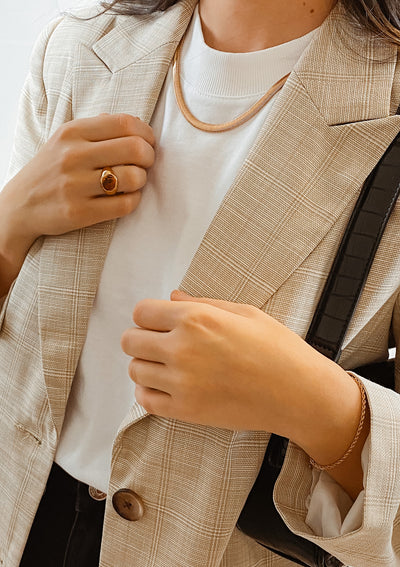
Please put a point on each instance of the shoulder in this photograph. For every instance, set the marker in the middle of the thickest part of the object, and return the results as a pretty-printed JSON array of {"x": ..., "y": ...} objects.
[
  {"x": 60, "y": 41},
  {"x": 80, "y": 26},
  {"x": 57, "y": 48}
]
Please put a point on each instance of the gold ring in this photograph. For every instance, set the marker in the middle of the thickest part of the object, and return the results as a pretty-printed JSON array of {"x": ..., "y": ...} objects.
[{"x": 108, "y": 181}]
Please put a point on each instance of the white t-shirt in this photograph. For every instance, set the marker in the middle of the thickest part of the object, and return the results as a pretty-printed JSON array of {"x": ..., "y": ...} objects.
[{"x": 152, "y": 248}]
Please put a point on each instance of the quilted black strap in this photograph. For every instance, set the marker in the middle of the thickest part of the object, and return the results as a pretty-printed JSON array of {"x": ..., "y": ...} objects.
[
  {"x": 355, "y": 255},
  {"x": 351, "y": 266}
]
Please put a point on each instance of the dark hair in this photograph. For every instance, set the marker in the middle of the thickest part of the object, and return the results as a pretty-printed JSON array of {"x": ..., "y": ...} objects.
[
  {"x": 381, "y": 17},
  {"x": 137, "y": 7}
]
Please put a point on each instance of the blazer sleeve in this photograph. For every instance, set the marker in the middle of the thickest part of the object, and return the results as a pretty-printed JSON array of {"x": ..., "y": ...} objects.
[
  {"x": 37, "y": 103},
  {"x": 331, "y": 511},
  {"x": 377, "y": 541},
  {"x": 37, "y": 106}
]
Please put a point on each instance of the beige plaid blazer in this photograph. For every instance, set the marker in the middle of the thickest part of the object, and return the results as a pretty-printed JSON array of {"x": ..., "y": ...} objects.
[{"x": 270, "y": 244}]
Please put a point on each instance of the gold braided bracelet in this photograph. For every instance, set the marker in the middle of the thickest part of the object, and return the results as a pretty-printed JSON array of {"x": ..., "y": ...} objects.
[{"x": 356, "y": 437}]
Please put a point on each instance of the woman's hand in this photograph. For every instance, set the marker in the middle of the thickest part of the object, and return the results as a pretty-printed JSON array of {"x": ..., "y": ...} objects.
[
  {"x": 59, "y": 189},
  {"x": 230, "y": 365}
]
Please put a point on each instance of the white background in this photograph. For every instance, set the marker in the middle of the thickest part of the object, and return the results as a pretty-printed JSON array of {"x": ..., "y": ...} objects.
[{"x": 22, "y": 23}]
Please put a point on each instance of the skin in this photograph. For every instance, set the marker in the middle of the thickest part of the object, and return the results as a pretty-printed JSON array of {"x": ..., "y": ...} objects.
[
  {"x": 193, "y": 359},
  {"x": 237, "y": 26}
]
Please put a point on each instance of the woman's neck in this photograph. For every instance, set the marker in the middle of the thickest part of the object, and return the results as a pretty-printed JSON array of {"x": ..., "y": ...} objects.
[{"x": 240, "y": 26}]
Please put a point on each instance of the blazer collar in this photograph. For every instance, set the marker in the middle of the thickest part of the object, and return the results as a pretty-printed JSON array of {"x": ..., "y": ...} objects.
[
  {"x": 134, "y": 39},
  {"x": 347, "y": 73}
]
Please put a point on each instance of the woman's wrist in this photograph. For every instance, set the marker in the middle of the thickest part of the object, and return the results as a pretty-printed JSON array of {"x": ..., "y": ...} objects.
[
  {"x": 15, "y": 240},
  {"x": 16, "y": 233},
  {"x": 364, "y": 410},
  {"x": 330, "y": 409},
  {"x": 332, "y": 414}
]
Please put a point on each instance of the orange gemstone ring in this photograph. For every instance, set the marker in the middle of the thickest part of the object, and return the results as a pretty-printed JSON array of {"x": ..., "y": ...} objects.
[{"x": 108, "y": 181}]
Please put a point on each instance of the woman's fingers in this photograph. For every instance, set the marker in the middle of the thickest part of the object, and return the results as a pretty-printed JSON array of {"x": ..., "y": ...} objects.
[
  {"x": 86, "y": 185},
  {"x": 117, "y": 206},
  {"x": 161, "y": 315},
  {"x": 107, "y": 127},
  {"x": 131, "y": 150},
  {"x": 146, "y": 345},
  {"x": 154, "y": 401},
  {"x": 150, "y": 375},
  {"x": 96, "y": 211}
]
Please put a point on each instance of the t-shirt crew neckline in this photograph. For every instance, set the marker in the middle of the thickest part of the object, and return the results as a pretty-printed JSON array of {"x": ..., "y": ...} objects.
[{"x": 223, "y": 74}]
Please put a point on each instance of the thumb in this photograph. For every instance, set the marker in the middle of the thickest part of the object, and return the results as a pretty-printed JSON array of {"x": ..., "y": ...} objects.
[{"x": 238, "y": 308}]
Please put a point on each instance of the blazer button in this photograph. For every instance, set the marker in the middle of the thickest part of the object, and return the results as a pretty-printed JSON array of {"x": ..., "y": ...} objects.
[{"x": 128, "y": 504}]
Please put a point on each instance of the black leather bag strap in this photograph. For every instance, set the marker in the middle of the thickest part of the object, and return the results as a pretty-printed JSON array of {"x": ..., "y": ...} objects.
[
  {"x": 355, "y": 255},
  {"x": 259, "y": 518}
]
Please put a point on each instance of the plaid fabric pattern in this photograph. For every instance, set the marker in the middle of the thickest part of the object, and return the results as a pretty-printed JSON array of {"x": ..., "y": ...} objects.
[{"x": 270, "y": 244}]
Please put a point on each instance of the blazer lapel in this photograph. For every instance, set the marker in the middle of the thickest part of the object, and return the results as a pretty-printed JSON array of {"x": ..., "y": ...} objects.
[
  {"x": 124, "y": 72},
  {"x": 327, "y": 130}
]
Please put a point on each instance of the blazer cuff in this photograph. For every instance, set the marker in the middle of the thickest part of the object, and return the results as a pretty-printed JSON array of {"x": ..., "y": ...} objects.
[
  {"x": 374, "y": 541},
  {"x": 331, "y": 511}
]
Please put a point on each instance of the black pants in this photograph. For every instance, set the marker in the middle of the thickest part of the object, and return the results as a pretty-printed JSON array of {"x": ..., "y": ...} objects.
[{"x": 68, "y": 526}]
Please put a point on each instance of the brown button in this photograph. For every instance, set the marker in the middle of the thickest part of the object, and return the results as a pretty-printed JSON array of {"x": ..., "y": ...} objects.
[
  {"x": 97, "y": 494},
  {"x": 128, "y": 504}
]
